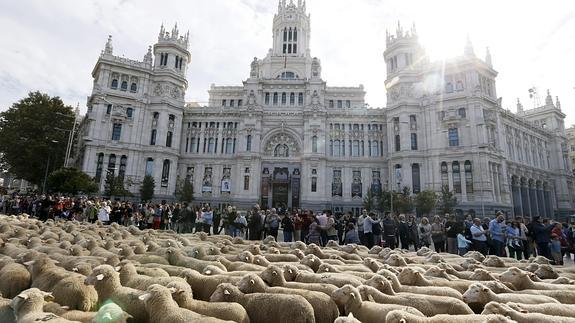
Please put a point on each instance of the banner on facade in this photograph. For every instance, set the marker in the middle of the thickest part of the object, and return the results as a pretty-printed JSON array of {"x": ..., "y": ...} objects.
[{"x": 226, "y": 185}]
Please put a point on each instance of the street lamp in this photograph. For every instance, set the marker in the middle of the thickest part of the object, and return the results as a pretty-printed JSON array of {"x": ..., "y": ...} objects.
[
  {"x": 481, "y": 176},
  {"x": 393, "y": 166}
]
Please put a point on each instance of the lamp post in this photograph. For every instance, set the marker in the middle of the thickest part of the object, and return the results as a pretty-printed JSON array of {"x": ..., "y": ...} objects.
[
  {"x": 71, "y": 134},
  {"x": 393, "y": 166}
]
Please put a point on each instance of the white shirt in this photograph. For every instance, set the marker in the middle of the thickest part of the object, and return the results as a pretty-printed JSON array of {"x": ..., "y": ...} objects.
[{"x": 104, "y": 214}]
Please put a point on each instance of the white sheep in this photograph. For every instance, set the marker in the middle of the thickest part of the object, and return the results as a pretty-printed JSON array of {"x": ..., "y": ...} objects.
[
  {"x": 347, "y": 319},
  {"x": 546, "y": 308},
  {"x": 14, "y": 278},
  {"x": 367, "y": 312},
  {"x": 401, "y": 316},
  {"x": 426, "y": 290},
  {"x": 129, "y": 277},
  {"x": 503, "y": 309},
  {"x": 203, "y": 286},
  {"x": 481, "y": 294},
  {"x": 273, "y": 275},
  {"x": 292, "y": 273},
  {"x": 264, "y": 308},
  {"x": 28, "y": 307}
]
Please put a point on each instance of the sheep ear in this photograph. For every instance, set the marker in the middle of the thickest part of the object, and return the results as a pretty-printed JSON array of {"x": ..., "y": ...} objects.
[
  {"x": 22, "y": 296},
  {"x": 275, "y": 273},
  {"x": 371, "y": 299},
  {"x": 48, "y": 297},
  {"x": 290, "y": 271},
  {"x": 252, "y": 281},
  {"x": 402, "y": 321},
  {"x": 29, "y": 263},
  {"x": 144, "y": 297},
  {"x": 173, "y": 290},
  {"x": 485, "y": 289},
  {"x": 352, "y": 295},
  {"x": 117, "y": 268},
  {"x": 100, "y": 277},
  {"x": 67, "y": 308},
  {"x": 326, "y": 269},
  {"x": 226, "y": 292},
  {"x": 350, "y": 315},
  {"x": 208, "y": 272},
  {"x": 75, "y": 269}
]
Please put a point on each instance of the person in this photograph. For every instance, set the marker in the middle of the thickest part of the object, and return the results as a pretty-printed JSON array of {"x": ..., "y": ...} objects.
[
  {"x": 438, "y": 234},
  {"x": 403, "y": 231},
  {"x": 314, "y": 234},
  {"x": 255, "y": 223},
  {"x": 368, "y": 223},
  {"x": 479, "y": 237},
  {"x": 322, "y": 219},
  {"x": 217, "y": 220},
  {"x": 330, "y": 228},
  {"x": 497, "y": 230},
  {"x": 462, "y": 242},
  {"x": 239, "y": 225},
  {"x": 288, "y": 227},
  {"x": 307, "y": 218},
  {"x": 571, "y": 241},
  {"x": 360, "y": 220},
  {"x": 524, "y": 236},
  {"x": 350, "y": 234},
  {"x": 514, "y": 242},
  {"x": 389, "y": 227},
  {"x": 297, "y": 223},
  {"x": 556, "y": 239},
  {"x": 468, "y": 223},
  {"x": 413, "y": 232},
  {"x": 187, "y": 219},
  {"x": 424, "y": 232},
  {"x": 542, "y": 236},
  {"x": 273, "y": 222},
  {"x": 452, "y": 229},
  {"x": 208, "y": 217},
  {"x": 104, "y": 213}
]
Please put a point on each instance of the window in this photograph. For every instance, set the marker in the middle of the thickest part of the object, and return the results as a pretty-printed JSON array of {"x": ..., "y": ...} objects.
[
  {"x": 163, "y": 59},
  {"x": 461, "y": 112},
  {"x": 413, "y": 122},
  {"x": 224, "y": 103},
  {"x": 314, "y": 184},
  {"x": 267, "y": 98},
  {"x": 114, "y": 84},
  {"x": 134, "y": 88},
  {"x": 99, "y": 164},
  {"x": 284, "y": 98},
  {"x": 108, "y": 109},
  {"x": 453, "y": 137},
  {"x": 211, "y": 145},
  {"x": 169, "y": 139},
  {"x": 397, "y": 143},
  {"x": 456, "y": 177},
  {"x": 249, "y": 143},
  {"x": 116, "y": 131},
  {"x": 415, "y": 178},
  {"x": 300, "y": 99},
  {"x": 124, "y": 86},
  {"x": 292, "y": 98},
  {"x": 288, "y": 75},
  {"x": 459, "y": 86},
  {"x": 444, "y": 176},
  {"x": 331, "y": 104},
  {"x": 314, "y": 144},
  {"x": 129, "y": 112},
  {"x": 348, "y": 104},
  {"x": 374, "y": 148},
  {"x": 149, "y": 167},
  {"x": 413, "y": 141},
  {"x": 194, "y": 145},
  {"x": 449, "y": 87},
  {"x": 153, "y": 137},
  {"x": 339, "y": 104},
  {"x": 246, "y": 183},
  {"x": 229, "y": 147},
  {"x": 165, "y": 173},
  {"x": 123, "y": 163},
  {"x": 240, "y": 102},
  {"x": 275, "y": 99},
  {"x": 156, "y": 115},
  {"x": 355, "y": 148},
  {"x": 112, "y": 162},
  {"x": 468, "y": 177},
  {"x": 172, "y": 118}
]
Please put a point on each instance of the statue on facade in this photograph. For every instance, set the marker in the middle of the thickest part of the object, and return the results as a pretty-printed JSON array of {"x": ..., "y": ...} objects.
[
  {"x": 254, "y": 68},
  {"x": 251, "y": 98}
]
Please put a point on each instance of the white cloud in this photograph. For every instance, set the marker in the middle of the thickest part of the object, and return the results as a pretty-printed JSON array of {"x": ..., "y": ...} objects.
[{"x": 52, "y": 46}]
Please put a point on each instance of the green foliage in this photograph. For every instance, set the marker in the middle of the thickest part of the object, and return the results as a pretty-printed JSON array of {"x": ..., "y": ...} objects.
[
  {"x": 447, "y": 200},
  {"x": 369, "y": 201},
  {"x": 114, "y": 186},
  {"x": 426, "y": 201},
  {"x": 29, "y": 135},
  {"x": 185, "y": 191},
  {"x": 403, "y": 202},
  {"x": 147, "y": 188},
  {"x": 71, "y": 181}
]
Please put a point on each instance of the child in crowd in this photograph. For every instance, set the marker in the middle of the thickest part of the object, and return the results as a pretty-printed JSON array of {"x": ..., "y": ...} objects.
[{"x": 462, "y": 242}]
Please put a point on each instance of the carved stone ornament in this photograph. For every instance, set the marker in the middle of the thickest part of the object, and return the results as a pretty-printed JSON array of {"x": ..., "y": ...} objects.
[{"x": 281, "y": 145}]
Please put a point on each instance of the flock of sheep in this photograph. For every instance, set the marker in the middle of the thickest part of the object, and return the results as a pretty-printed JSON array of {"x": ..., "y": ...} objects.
[{"x": 78, "y": 272}]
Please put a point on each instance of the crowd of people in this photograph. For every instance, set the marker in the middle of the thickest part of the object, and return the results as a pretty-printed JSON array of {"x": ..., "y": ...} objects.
[{"x": 518, "y": 238}]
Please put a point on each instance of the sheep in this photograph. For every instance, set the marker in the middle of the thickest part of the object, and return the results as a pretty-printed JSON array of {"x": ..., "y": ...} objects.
[
  {"x": 128, "y": 253},
  {"x": 28, "y": 307},
  {"x": 327, "y": 268},
  {"x": 106, "y": 281},
  {"x": 129, "y": 277},
  {"x": 273, "y": 275},
  {"x": 428, "y": 305},
  {"x": 347, "y": 319},
  {"x": 182, "y": 294},
  {"x": 65, "y": 312},
  {"x": 205, "y": 285},
  {"x": 366, "y": 312},
  {"x": 480, "y": 294},
  {"x": 14, "y": 278},
  {"x": 239, "y": 266},
  {"x": 152, "y": 272},
  {"x": 427, "y": 290},
  {"x": 546, "y": 272},
  {"x": 521, "y": 280},
  {"x": 177, "y": 258},
  {"x": 546, "y": 308},
  {"x": 292, "y": 273},
  {"x": 325, "y": 310},
  {"x": 400, "y": 316},
  {"x": 163, "y": 309},
  {"x": 263, "y": 308},
  {"x": 503, "y": 309},
  {"x": 6, "y": 312}
]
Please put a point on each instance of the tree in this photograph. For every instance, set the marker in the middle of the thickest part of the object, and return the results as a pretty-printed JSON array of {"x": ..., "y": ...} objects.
[
  {"x": 403, "y": 202},
  {"x": 425, "y": 201},
  {"x": 71, "y": 181},
  {"x": 185, "y": 191},
  {"x": 447, "y": 200},
  {"x": 369, "y": 201},
  {"x": 33, "y": 136},
  {"x": 114, "y": 186},
  {"x": 147, "y": 188},
  {"x": 384, "y": 202}
]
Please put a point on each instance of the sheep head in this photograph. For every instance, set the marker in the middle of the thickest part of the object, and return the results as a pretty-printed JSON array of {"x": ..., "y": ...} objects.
[
  {"x": 477, "y": 293},
  {"x": 225, "y": 292},
  {"x": 273, "y": 275},
  {"x": 251, "y": 283},
  {"x": 345, "y": 295}
]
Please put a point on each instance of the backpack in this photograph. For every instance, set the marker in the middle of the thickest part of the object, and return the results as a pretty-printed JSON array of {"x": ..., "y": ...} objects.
[{"x": 376, "y": 229}]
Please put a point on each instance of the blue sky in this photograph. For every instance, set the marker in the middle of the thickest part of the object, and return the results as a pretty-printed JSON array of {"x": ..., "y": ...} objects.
[{"x": 52, "y": 46}]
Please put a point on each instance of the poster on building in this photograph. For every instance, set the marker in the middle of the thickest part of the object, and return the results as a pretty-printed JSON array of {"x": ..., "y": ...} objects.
[{"x": 226, "y": 185}]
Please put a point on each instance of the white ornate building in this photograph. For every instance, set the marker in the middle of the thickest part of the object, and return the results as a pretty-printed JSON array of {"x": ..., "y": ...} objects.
[{"x": 285, "y": 138}]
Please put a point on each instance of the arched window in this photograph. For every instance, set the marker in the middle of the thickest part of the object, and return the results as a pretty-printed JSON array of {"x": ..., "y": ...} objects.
[
  {"x": 300, "y": 99},
  {"x": 444, "y": 176},
  {"x": 123, "y": 163},
  {"x": 229, "y": 147},
  {"x": 275, "y": 99},
  {"x": 112, "y": 162},
  {"x": 284, "y": 98},
  {"x": 374, "y": 148},
  {"x": 156, "y": 115},
  {"x": 267, "y": 98},
  {"x": 249, "y": 143},
  {"x": 461, "y": 112},
  {"x": 211, "y": 145},
  {"x": 99, "y": 166},
  {"x": 398, "y": 177},
  {"x": 165, "y": 173},
  {"x": 355, "y": 148},
  {"x": 124, "y": 86},
  {"x": 415, "y": 178},
  {"x": 314, "y": 144},
  {"x": 153, "y": 137},
  {"x": 281, "y": 150},
  {"x": 456, "y": 177},
  {"x": 397, "y": 143},
  {"x": 133, "y": 88},
  {"x": 114, "y": 84},
  {"x": 149, "y": 167},
  {"x": 169, "y": 136},
  {"x": 468, "y": 176},
  {"x": 292, "y": 98}
]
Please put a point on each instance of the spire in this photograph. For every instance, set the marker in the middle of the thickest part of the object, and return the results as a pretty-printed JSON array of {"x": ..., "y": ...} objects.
[
  {"x": 548, "y": 99},
  {"x": 413, "y": 30},
  {"x": 109, "y": 49},
  {"x": 557, "y": 103},
  {"x": 77, "y": 110},
  {"x": 468, "y": 50},
  {"x": 175, "y": 31},
  {"x": 519, "y": 106},
  {"x": 399, "y": 30},
  {"x": 162, "y": 32},
  {"x": 488, "y": 57},
  {"x": 148, "y": 57}
]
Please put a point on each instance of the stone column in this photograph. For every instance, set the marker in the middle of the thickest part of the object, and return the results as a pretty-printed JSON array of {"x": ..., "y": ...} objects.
[
  {"x": 463, "y": 181},
  {"x": 532, "y": 198},
  {"x": 525, "y": 208},
  {"x": 540, "y": 201}
]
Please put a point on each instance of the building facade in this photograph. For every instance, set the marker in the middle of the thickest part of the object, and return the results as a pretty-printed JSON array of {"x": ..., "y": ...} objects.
[{"x": 284, "y": 138}]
